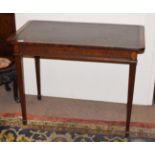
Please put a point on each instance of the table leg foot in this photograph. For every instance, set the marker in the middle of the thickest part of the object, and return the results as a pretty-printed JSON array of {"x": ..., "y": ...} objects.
[
  {"x": 39, "y": 98},
  {"x": 127, "y": 134},
  {"x": 24, "y": 122}
]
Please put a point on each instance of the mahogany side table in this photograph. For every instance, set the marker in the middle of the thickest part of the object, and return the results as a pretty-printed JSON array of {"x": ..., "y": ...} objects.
[{"x": 110, "y": 43}]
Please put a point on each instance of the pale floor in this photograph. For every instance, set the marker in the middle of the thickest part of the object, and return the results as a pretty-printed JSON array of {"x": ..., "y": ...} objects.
[{"x": 71, "y": 108}]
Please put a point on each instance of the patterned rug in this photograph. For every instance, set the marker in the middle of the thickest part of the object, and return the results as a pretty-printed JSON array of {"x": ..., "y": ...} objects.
[{"x": 45, "y": 129}]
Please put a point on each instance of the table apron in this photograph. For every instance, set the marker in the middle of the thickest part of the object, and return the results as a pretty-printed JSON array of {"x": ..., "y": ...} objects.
[{"x": 78, "y": 53}]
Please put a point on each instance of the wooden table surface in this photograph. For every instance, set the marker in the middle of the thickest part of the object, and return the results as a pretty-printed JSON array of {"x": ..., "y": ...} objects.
[{"x": 128, "y": 37}]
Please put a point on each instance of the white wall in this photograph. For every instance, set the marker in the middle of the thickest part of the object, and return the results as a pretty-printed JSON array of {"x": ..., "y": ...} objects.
[{"x": 94, "y": 81}]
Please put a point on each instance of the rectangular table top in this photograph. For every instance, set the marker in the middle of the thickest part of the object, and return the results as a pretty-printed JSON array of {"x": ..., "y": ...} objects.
[{"x": 115, "y": 36}]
